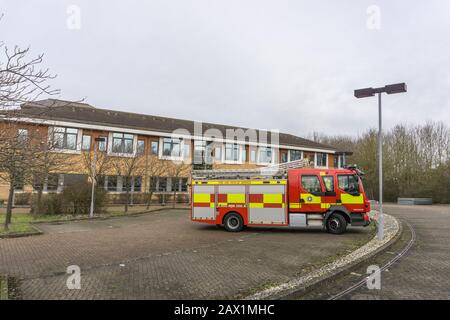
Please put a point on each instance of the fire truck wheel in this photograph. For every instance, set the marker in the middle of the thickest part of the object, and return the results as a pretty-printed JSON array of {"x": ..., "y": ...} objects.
[
  {"x": 233, "y": 222},
  {"x": 336, "y": 224}
]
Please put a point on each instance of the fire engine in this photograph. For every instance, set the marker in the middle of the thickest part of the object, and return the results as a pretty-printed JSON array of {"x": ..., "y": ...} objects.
[{"x": 289, "y": 195}]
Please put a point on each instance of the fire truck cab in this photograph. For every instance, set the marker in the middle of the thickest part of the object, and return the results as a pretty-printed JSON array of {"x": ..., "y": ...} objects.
[{"x": 303, "y": 197}]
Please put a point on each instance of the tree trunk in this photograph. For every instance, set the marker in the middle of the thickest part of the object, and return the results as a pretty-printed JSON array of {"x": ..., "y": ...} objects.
[
  {"x": 174, "y": 200},
  {"x": 149, "y": 199},
  {"x": 127, "y": 198},
  {"x": 37, "y": 210},
  {"x": 9, "y": 206}
]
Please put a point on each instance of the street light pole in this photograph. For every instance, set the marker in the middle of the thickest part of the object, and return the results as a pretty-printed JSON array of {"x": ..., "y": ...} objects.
[
  {"x": 380, "y": 231},
  {"x": 93, "y": 177},
  {"x": 370, "y": 92}
]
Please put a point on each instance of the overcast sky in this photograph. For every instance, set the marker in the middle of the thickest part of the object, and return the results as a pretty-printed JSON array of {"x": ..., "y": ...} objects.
[{"x": 287, "y": 65}]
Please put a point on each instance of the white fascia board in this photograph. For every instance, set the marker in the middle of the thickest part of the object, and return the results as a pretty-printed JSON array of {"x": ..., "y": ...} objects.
[{"x": 159, "y": 133}]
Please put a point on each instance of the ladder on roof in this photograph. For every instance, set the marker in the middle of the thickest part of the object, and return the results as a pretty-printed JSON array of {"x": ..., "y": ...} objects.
[{"x": 273, "y": 171}]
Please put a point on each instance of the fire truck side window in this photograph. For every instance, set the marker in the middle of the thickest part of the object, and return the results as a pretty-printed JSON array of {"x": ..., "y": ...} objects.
[
  {"x": 329, "y": 183},
  {"x": 311, "y": 184},
  {"x": 348, "y": 183}
]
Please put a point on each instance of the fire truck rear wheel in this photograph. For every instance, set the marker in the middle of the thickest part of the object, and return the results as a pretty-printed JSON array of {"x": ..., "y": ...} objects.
[
  {"x": 233, "y": 222},
  {"x": 336, "y": 224}
]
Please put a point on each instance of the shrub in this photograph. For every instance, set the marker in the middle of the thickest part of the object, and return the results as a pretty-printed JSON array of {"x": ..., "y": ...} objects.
[
  {"x": 74, "y": 200},
  {"x": 51, "y": 204},
  {"x": 77, "y": 199}
]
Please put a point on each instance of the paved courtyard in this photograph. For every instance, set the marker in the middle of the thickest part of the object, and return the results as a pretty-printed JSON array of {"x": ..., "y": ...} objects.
[
  {"x": 422, "y": 273},
  {"x": 163, "y": 255}
]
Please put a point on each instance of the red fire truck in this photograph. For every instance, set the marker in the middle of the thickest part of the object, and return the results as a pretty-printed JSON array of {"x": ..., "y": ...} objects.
[{"x": 290, "y": 195}]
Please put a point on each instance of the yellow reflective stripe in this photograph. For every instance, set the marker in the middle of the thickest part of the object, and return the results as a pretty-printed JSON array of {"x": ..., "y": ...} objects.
[
  {"x": 255, "y": 205},
  {"x": 211, "y": 205},
  {"x": 349, "y": 199},
  {"x": 222, "y": 204},
  {"x": 236, "y": 198},
  {"x": 322, "y": 173},
  {"x": 325, "y": 205},
  {"x": 295, "y": 205},
  {"x": 202, "y": 197},
  {"x": 310, "y": 199},
  {"x": 241, "y": 182},
  {"x": 273, "y": 198}
]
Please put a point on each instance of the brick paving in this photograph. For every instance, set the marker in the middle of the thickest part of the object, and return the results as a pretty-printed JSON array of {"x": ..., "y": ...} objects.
[
  {"x": 423, "y": 273},
  {"x": 164, "y": 256}
]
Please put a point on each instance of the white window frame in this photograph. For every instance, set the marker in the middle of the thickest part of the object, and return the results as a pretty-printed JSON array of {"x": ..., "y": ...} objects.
[
  {"x": 110, "y": 143},
  {"x": 77, "y": 150},
  {"x": 239, "y": 161},
  {"x": 173, "y": 158},
  {"x": 258, "y": 154},
  {"x": 326, "y": 160}
]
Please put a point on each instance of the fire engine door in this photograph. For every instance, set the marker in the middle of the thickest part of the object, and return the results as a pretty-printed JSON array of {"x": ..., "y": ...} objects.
[
  {"x": 311, "y": 193},
  {"x": 349, "y": 191}
]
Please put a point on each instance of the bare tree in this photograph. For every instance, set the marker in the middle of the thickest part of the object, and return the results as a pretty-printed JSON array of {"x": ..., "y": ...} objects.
[
  {"x": 127, "y": 168},
  {"x": 177, "y": 170},
  {"x": 15, "y": 156},
  {"x": 154, "y": 169},
  {"x": 45, "y": 160}
]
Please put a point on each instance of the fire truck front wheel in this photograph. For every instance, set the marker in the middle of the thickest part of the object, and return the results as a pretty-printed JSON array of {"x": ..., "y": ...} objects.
[
  {"x": 233, "y": 222},
  {"x": 336, "y": 224}
]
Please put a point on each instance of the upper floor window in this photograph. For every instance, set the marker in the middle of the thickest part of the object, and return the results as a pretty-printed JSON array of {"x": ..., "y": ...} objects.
[
  {"x": 232, "y": 152},
  {"x": 140, "y": 147},
  {"x": 65, "y": 138},
  {"x": 86, "y": 143},
  {"x": 154, "y": 147},
  {"x": 22, "y": 135},
  {"x": 295, "y": 155},
  {"x": 284, "y": 157},
  {"x": 265, "y": 155},
  {"x": 321, "y": 159},
  {"x": 122, "y": 143},
  {"x": 102, "y": 144},
  {"x": 171, "y": 147}
]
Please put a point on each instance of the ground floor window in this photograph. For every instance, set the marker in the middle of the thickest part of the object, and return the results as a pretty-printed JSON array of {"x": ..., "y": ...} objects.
[{"x": 169, "y": 184}]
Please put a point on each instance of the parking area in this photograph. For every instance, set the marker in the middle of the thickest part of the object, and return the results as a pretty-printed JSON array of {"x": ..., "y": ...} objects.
[{"x": 163, "y": 255}]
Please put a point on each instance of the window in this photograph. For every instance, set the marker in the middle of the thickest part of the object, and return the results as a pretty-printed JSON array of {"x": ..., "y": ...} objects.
[
  {"x": 175, "y": 184},
  {"x": 153, "y": 183},
  {"x": 140, "y": 147},
  {"x": 321, "y": 159},
  {"x": 102, "y": 144},
  {"x": 122, "y": 143},
  {"x": 232, "y": 152},
  {"x": 295, "y": 155},
  {"x": 284, "y": 157},
  {"x": 111, "y": 183},
  {"x": 218, "y": 153},
  {"x": 252, "y": 155},
  {"x": 328, "y": 181},
  {"x": 162, "y": 184},
  {"x": 137, "y": 184},
  {"x": 199, "y": 151},
  {"x": 265, "y": 155},
  {"x": 311, "y": 184},
  {"x": 19, "y": 182},
  {"x": 86, "y": 143},
  {"x": 101, "y": 181},
  {"x": 244, "y": 155},
  {"x": 154, "y": 147},
  {"x": 22, "y": 135},
  {"x": 336, "y": 162},
  {"x": 348, "y": 183},
  {"x": 172, "y": 147},
  {"x": 184, "y": 186},
  {"x": 65, "y": 138},
  {"x": 187, "y": 151},
  {"x": 52, "y": 182}
]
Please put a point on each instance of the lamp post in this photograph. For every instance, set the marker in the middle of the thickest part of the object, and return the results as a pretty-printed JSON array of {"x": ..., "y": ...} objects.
[
  {"x": 370, "y": 92},
  {"x": 94, "y": 165}
]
